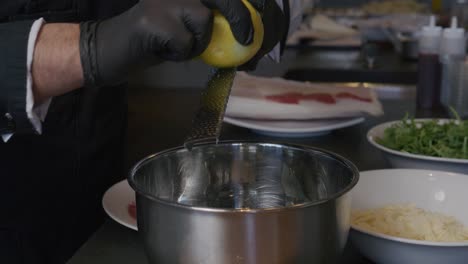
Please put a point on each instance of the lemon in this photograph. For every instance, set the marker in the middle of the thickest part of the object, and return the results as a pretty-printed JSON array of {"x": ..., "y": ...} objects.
[{"x": 224, "y": 51}]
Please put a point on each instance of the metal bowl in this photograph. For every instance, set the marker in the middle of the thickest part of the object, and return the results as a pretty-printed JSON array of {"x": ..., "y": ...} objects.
[{"x": 243, "y": 202}]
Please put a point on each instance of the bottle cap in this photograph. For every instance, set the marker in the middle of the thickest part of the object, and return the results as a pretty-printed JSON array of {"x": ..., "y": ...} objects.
[
  {"x": 453, "y": 40},
  {"x": 429, "y": 39},
  {"x": 454, "y": 31},
  {"x": 431, "y": 29}
]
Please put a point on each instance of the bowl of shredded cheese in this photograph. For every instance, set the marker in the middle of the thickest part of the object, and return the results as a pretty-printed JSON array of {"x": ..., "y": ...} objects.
[{"x": 411, "y": 216}]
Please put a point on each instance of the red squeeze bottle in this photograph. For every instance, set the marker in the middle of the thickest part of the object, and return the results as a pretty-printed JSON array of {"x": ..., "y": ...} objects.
[{"x": 429, "y": 67}]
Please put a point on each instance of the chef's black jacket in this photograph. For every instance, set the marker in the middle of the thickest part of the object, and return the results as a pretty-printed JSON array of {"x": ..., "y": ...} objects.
[{"x": 51, "y": 185}]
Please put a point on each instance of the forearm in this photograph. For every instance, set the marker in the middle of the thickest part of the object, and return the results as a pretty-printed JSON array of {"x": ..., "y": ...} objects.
[{"x": 56, "y": 67}]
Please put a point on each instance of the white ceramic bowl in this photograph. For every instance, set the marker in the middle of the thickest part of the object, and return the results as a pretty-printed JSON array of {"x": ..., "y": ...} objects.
[
  {"x": 442, "y": 192},
  {"x": 399, "y": 159}
]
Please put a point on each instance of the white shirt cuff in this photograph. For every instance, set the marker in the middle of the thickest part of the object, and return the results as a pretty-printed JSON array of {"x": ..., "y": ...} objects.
[{"x": 36, "y": 113}]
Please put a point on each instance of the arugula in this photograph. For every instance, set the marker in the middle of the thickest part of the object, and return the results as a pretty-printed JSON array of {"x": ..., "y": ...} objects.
[{"x": 431, "y": 138}]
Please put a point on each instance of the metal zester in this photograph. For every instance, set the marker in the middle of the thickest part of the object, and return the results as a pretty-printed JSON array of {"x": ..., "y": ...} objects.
[{"x": 208, "y": 120}]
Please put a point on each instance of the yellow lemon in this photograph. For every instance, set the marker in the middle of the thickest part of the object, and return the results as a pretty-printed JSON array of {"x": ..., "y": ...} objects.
[{"x": 223, "y": 50}]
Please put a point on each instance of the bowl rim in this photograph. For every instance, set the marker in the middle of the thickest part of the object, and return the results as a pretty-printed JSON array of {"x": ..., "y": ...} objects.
[
  {"x": 371, "y": 134},
  {"x": 408, "y": 240},
  {"x": 336, "y": 195}
]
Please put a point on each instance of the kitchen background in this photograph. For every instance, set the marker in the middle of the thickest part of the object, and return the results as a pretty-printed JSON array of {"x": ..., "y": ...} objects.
[{"x": 193, "y": 74}]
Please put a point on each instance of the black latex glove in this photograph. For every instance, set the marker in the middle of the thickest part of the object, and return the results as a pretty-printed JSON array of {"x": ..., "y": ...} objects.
[
  {"x": 154, "y": 30},
  {"x": 275, "y": 24}
]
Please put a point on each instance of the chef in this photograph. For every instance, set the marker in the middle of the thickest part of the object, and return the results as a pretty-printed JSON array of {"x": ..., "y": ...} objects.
[{"x": 63, "y": 66}]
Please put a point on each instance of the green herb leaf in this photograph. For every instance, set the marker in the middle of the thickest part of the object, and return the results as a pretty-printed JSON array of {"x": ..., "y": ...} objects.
[{"x": 431, "y": 138}]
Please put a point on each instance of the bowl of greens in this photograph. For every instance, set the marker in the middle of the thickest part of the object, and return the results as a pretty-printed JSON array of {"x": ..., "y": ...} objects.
[{"x": 437, "y": 144}]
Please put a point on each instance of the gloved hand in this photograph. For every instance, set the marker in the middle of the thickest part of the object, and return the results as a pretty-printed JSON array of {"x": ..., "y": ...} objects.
[
  {"x": 152, "y": 31},
  {"x": 275, "y": 23}
]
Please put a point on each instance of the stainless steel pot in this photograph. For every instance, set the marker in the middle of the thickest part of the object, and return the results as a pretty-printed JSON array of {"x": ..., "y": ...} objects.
[{"x": 243, "y": 202}]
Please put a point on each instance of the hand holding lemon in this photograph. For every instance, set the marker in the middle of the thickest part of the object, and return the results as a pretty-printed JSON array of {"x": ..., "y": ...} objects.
[
  {"x": 270, "y": 28},
  {"x": 224, "y": 50},
  {"x": 226, "y": 33}
]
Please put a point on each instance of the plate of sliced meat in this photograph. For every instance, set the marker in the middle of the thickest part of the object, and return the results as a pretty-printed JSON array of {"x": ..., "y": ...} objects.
[
  {"x": 119, "y": 204},
  {"x": 280, "y": 107}
]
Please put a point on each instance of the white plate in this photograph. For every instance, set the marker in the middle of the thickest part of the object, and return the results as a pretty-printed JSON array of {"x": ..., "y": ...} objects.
[
  {"x": 116, "y": 202},
  {"x": 307, "y": 128}
]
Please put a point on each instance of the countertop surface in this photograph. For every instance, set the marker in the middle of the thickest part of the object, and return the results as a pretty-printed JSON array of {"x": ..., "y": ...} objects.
[
  {"x": 160, "y": 119},
  {"x": 351, "y": 66}
]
